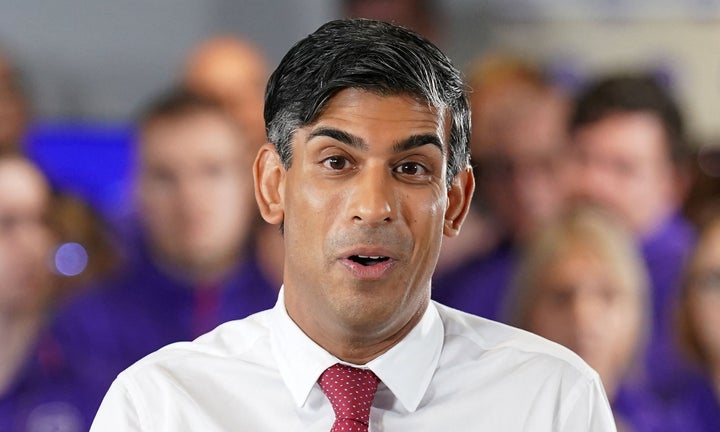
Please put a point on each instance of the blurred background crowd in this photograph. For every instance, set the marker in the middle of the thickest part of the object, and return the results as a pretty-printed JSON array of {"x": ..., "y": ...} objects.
[{"x": 127, "y": 218}]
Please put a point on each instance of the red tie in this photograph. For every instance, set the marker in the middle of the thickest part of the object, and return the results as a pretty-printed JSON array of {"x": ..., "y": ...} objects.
[{"x": 351, "y": 392}]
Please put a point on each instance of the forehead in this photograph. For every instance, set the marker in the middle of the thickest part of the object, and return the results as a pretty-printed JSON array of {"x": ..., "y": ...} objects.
[
  {"x": 367, "y": 112},
  {"x": 202, "y": 133},
  {"x": 21, "y": 184},
  {"x": 633, "y": 134},
  {"x": 225, "y": 61}
]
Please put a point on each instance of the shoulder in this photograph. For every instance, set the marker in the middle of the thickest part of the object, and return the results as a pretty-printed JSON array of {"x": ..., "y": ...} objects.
[
  {"x": 674, "y": 237},
  {"x": 241, "y": 342},
  {"x": 489, "y": 339},
  {"x": 520, "y": 377},
  {"x": 160, "y": 388}
]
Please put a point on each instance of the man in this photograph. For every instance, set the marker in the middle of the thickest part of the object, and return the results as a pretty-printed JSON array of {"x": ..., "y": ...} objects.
[
  {"x": 189, "y": 269},
  {"x": 519, "y": 136},
  {"x": 367, "y": 169},
  {"x": 628, "y": 155},
  {"x": 234, "y": 72}
]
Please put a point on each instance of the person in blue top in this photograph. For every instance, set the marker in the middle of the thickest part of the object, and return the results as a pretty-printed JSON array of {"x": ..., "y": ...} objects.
[{"x": 190, "y": 265}]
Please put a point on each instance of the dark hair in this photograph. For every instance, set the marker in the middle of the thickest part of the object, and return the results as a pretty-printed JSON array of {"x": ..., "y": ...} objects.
[
  {"x": 630, "y": 94},
  {"x": 369, "y": 55},
  {"x": 174, "y": 103}
]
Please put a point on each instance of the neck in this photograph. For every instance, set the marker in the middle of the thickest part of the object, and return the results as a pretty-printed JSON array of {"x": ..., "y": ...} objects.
[
  {"x": 199, "y": 272},
  {"x": 360, "y": 346},
  {"x": 610, "y": 384},
  {"x": 361, "y": 352},
  {"x": 715, "y": 378},
  {"x": 18, "y": 332}
]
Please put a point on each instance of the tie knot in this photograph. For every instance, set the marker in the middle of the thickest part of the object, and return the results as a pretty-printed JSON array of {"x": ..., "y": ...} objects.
[{"x": 351, "y": 392}]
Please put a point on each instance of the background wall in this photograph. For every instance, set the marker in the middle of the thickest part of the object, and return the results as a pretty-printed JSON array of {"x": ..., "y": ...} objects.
[
  {"x": 102, "y": 59},
  {"x": 679, "y": 40}
]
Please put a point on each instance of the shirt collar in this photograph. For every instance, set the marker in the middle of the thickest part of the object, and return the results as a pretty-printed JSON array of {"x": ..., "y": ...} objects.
[{"x": 406, "y": 369}]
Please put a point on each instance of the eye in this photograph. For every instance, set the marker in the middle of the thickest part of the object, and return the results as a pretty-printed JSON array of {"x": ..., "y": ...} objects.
[
  {"x": 160, "y": 177},
  {"x": 336, "y": 163},
  {"x": 411, "y": 169}
]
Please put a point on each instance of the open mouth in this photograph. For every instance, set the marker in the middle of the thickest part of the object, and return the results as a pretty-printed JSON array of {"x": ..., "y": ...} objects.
[{"x": 366, "y": 260}]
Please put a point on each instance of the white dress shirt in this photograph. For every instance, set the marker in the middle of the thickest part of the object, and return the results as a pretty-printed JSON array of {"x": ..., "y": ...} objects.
[{"x": 452, "y": 372}]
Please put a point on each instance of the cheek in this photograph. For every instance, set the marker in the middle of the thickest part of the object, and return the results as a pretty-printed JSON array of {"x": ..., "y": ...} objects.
[
  {"x": 550, "y": 322},
  {"x": 707, "y": 322},
  {"x": 160, "y": 214},
  {"x": 311, "y": 200},
  {"x": 623, "y": 327},
  {"x": 234, "y": 197},
  {"x": 425, "y": 218},
  {"x": 626, "y": 314},
  {"x": 310, "y": 211},
  {"x": 155, "y": 203}
]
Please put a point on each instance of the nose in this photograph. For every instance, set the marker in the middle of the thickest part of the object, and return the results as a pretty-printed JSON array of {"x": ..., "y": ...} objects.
[
  {"x": 586, "y": 315},
  {"x": 191, "y": 197},
  {"x": 589, "y": 181},
  {"x": 372, "y": 199}
]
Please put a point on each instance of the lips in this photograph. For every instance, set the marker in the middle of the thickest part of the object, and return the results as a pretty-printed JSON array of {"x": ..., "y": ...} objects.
[
  {"x": 369, "y": 265},
  {"x": 366, "y": 260}
]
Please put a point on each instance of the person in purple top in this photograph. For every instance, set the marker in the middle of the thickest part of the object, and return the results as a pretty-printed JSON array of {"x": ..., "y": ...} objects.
[
  {"x": 699, "y": 325},
  {"x": 190, "y": 267},
  {"x": 582, "y": 283},
  {"x": 517, "y": 144},
  {"x": 35, "y": 393},
  {"x": 628, "y": 154}
]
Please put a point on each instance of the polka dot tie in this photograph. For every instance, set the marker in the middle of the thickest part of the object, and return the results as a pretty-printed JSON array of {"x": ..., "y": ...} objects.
[{"x": 351, "y": 392}]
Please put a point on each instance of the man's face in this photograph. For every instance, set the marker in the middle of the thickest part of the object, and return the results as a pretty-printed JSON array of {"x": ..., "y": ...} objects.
[
  {"x": 582, "y": 304},
  {"x": 195, "y": 191},
  {"x": 25, "y": 239},
  {"x": 621, "y": 162},
  {"x": 365, "y": 205},
  {"x": 521, "y": 165}
]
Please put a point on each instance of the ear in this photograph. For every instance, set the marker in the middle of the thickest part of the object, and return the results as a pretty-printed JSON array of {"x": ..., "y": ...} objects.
[
  {"x": 459, "y": 196},
  {"x": 269, "y": 175}
]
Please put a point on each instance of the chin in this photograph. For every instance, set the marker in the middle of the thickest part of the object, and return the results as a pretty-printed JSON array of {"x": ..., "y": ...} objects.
[{"x": 370, "y": 318}]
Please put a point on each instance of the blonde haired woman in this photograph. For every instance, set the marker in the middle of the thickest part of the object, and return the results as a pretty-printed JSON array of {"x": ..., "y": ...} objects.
[{"x": 582, "y": 283}]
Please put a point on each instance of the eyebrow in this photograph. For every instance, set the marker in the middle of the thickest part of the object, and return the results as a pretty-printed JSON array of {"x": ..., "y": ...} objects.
[
  {"x": 416, "y": 141},
  {"x": 338, "y": 135},
  {"x": 354, "y": 141}
]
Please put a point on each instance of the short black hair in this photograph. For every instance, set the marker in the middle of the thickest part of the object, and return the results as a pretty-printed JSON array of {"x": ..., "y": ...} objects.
[
  {"x": 632, "y": 93},
  {"x": 370, "y": 55}
]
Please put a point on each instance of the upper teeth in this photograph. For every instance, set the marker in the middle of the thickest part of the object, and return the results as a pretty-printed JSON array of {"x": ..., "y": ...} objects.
[{"x": 369, "y": 257}]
